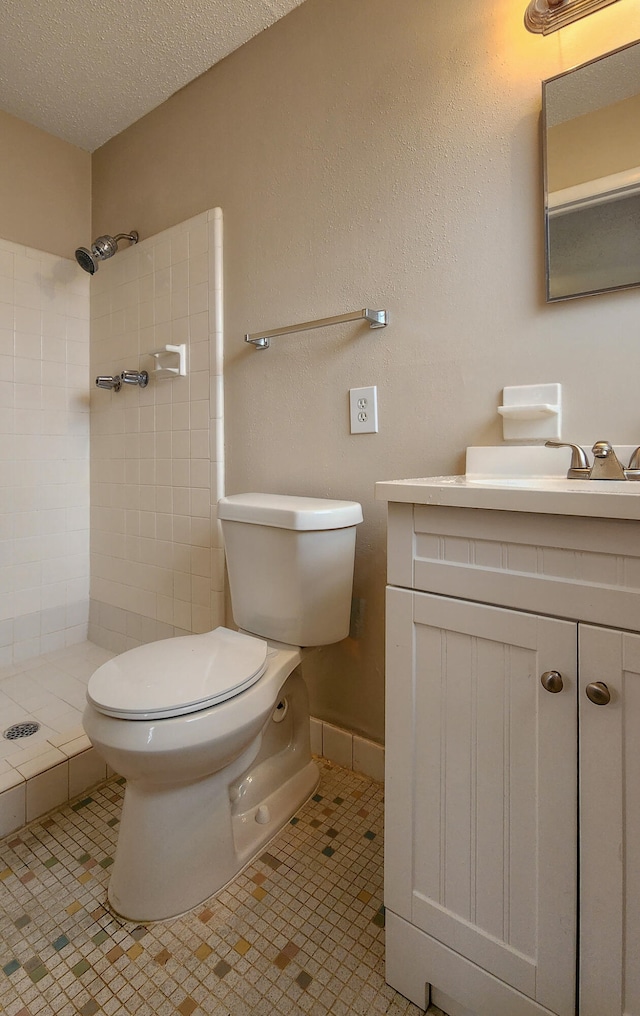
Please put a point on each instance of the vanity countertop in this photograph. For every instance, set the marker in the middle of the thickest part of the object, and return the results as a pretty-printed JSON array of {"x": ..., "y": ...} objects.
[{"x": 548, "y": 495}]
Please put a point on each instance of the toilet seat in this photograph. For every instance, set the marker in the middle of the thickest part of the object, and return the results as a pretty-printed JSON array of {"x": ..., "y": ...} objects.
[{"x": 178, "y": 675}]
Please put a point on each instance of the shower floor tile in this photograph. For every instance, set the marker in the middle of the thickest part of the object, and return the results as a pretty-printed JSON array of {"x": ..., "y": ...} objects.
[
  {"x": 49, "y": 690},
  {"x": 299, "y": 931}
]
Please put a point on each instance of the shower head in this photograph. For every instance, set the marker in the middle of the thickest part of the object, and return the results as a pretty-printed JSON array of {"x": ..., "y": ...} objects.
[{"x": 101, "y": 249}]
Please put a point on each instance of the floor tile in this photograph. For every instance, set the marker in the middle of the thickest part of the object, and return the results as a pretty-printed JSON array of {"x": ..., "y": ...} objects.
[
  {"x": 49, "y": 690},
  {"x": 299, "y": 931}
]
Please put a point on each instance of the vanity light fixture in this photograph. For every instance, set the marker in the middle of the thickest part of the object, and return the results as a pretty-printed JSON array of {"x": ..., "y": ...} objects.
[{"x": 546, "y": 16}]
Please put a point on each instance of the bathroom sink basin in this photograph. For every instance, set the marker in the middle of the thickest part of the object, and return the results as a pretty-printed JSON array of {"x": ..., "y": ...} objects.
[
  {"x": 522, "y": 479},
  {"x": 521, "y": 464},
  {"x": 516, "y": 462}
]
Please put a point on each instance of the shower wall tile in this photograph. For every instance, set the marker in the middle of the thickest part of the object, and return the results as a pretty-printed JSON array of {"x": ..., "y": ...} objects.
[
  {"x": 156, "y": 458},
  {"x": 44, "y": 452}
]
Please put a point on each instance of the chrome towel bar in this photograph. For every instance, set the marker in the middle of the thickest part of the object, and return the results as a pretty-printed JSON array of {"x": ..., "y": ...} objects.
[{"x": 376, "y": 319}]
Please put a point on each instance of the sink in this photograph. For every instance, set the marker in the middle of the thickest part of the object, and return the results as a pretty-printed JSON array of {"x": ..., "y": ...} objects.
[
  {"x": 510, "y": 462},
  {"x": 522, "y": 478},
  {"x": 516, "y": 465}
]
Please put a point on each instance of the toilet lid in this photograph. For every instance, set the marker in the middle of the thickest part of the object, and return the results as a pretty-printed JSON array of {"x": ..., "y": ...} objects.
[{"x": 178, "y": 675}]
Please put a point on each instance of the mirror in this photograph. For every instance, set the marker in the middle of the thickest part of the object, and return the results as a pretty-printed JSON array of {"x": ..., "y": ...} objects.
[{"x": 591, "y": 145}]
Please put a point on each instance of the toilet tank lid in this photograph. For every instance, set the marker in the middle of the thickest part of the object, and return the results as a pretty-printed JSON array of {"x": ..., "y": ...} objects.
[{"x": 287, "y": 511}]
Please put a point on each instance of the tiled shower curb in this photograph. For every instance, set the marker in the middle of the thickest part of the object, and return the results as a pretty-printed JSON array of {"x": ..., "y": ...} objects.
[{"x": 51, "y": 778}]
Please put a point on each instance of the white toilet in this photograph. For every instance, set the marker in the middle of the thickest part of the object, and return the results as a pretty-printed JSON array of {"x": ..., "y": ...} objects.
[{"x": 212, "y": 731}]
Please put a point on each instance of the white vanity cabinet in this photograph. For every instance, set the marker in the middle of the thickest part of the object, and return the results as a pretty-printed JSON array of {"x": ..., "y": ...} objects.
[
  {"x": 494, "y": 895},
  {"x": 610, "y": 822}
]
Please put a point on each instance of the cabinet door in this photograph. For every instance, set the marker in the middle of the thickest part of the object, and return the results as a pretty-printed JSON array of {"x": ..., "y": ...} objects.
[
  {"x": 481, "y": 788},
  {"x": 610, "y": 825}
]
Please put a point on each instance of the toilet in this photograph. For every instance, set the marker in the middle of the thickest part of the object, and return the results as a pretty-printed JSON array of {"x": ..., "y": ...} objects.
[{"x": 211, "y": 731}]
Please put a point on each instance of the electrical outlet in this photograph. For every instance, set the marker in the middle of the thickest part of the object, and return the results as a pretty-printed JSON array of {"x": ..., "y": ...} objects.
[{"x": 363, "y": 410}]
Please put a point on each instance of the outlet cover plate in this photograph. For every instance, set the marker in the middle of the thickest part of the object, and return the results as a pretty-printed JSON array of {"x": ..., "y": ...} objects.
[{"x": 363, "y": 410}]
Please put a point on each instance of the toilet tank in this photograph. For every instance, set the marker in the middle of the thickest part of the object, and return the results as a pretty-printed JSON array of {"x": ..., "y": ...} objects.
[{"x": 290, "y": 565}]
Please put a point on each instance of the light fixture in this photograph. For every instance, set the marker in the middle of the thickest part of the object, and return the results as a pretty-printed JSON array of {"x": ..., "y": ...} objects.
[{"x": 546, "y": 16}]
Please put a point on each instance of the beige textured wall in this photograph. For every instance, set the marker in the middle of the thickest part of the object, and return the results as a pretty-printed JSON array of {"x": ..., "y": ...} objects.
[
  {"x": 594, "y": 145},
  {"x": 367, "y": 153},
  {"x": 45, "y": 189}
]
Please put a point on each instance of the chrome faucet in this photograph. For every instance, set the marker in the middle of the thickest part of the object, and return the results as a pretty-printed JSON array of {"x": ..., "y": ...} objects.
[{"x": 606, "y": 464}]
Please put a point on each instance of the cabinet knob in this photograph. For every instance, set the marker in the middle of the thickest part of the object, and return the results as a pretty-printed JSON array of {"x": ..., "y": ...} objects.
[
  {"x": 598, "y": 693},
  {"x": 551, "y": 681}
]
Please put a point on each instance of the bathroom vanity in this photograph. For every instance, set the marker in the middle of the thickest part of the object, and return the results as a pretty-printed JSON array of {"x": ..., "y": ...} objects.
[{"x": 512, "y": 746}]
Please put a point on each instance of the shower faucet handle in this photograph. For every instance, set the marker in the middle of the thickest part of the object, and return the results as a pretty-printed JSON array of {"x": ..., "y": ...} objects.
[
  {"x": 107, "y": 381},
  {"x": 135, "y": 377}
]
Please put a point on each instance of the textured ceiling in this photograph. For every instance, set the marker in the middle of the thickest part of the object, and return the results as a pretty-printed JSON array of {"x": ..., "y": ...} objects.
[{"x": 86, "y": 69}]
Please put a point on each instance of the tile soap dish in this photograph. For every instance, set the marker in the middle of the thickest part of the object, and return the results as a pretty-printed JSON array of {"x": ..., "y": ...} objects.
[
  {"x": 170, "y": 361},
  {"x": 531, "y": 412}
]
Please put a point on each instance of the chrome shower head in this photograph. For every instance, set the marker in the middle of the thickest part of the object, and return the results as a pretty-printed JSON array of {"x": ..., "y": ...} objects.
[
  {"x": 101, "y": 249},
  {"x": 87, "y": 260}
]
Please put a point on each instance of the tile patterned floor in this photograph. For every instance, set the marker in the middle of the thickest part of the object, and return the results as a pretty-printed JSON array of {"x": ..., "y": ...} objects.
[{"x": 300, "y": 931}]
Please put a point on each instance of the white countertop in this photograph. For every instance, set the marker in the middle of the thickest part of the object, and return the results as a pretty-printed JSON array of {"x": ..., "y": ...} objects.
[{"x": 548, "y": 495}]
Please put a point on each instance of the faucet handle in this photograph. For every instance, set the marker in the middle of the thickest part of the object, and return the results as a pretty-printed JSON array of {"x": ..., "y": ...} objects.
[
  {"x": 107, "y": 381},
  {"x": 579, "y": 468},
  {"x": 632, "y": 472},
  {"x": 135, "y": 377}
]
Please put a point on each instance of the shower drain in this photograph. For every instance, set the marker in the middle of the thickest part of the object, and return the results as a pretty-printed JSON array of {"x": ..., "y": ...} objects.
[{"x": 21, "y": 730}]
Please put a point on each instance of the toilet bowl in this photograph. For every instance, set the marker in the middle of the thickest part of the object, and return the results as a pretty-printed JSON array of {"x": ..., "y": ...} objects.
[{"x": 211, "y": 731}]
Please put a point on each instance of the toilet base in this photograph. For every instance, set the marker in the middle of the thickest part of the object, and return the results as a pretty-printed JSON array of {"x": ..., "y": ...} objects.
[
  {"x": 154, "y": 901},
  {"x": 180, "y": 843},
  {"x": 251, "y": 833}
]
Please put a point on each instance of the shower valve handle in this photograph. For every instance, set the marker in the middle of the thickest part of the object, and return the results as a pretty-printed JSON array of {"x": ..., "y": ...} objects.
[
  {"x": 107, "y": 381},
  {"x": 135, "y": 377}
]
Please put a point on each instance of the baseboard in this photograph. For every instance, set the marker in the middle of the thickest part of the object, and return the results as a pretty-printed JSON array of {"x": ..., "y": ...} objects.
[{"x": 346, "y": 749}]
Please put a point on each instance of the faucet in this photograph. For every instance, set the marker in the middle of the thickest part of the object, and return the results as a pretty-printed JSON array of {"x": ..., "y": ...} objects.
[{"x": 606, "y": 464}]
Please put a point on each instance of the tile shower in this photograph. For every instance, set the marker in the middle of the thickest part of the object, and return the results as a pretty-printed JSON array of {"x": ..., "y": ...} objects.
[
  {"x": 157, "y": 456},
  {"x": 44, "y": 453},
  {"x": 157, "y": 470},
  {"x": 157, "y": 459}
]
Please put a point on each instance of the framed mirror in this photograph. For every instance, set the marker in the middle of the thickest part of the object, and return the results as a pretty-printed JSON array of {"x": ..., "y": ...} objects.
[{"x": 591, "y": 149}]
